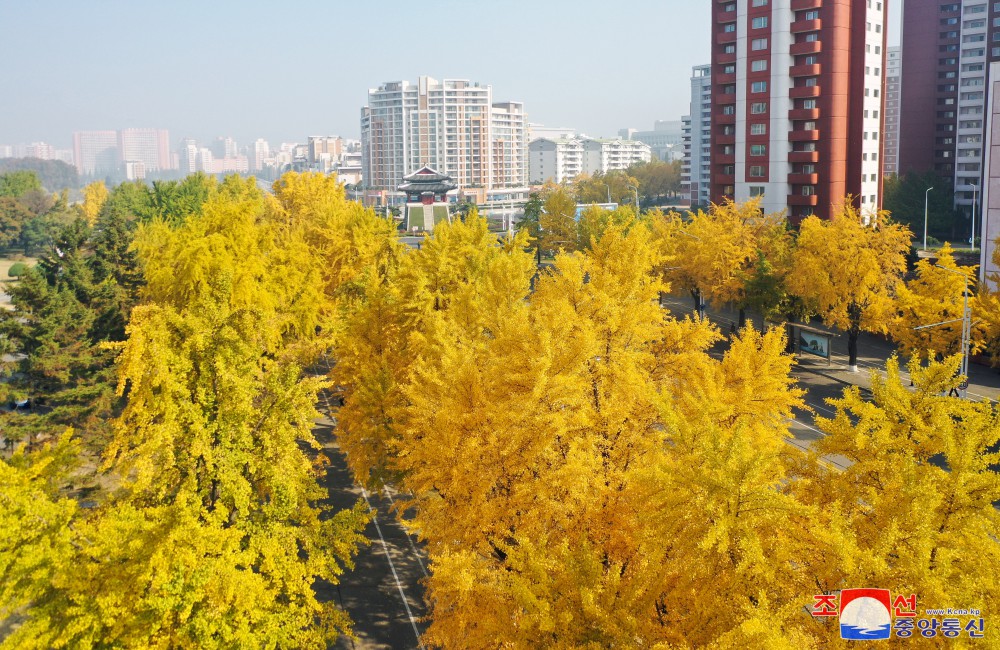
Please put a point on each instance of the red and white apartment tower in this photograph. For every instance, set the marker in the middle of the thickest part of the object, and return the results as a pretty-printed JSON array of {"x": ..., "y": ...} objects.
[{"x": 798, "y": 90}]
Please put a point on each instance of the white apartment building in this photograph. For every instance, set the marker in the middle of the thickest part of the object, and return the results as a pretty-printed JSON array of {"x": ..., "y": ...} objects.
[
  {"x": 151, "y": 147},
  {"x": 95, "y": 152},
  {"x": 564, "y": 159},
  {"x": 559, "y": 160},
  {"x": 452, "y": 126},
  {"x": 893, "y": 81},
  {"x": 695, "y": 167},
  {"x": 607, "y": 155}
]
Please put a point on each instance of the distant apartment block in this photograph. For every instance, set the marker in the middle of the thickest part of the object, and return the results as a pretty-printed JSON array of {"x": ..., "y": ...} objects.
[
  {"x": 893, "y": 98},
  {"x": 947, "y": 47},
  {"x": 96, "y": 152},
  {"x": 151, "y": 147},
  {"x": 41, "y": 150},
  {"x": 559, "y": 160},
  {"x": 607, "y": 155},
  {"x": 564, "y": 159},
  {"x": 797, "y": 103},
  {"x": 696, "y": 172},
  {"x": 452, "y": 126},
  {"x": 665, "y": 141},
  {"x": 325, "y": 151}
]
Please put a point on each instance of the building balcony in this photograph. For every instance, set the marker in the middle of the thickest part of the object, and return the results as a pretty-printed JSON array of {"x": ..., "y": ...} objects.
[
  {"x": 725, "y": 78},
  {"x": 724, "y": 138},
  {"x": 799, "y": 5},
  {"x": 724, "y": 179},
  {"x": 800, "y": 199},
  {"x": 803, "y": 114},
  {"x": 725, "y": 17},
  {"x": 808, "y": 47},
  {"x": 803, "y": 179},
  {"x": 724, "y": 158},
  {"x": 806, "y": 26},
  {"x": 803, "y": 136},
  {"x": 800, "y": 92},
  {"x": 722, "y": 57},
  {"x": 725, "y": 37},
  {"x": 803, "y": 157},
  {"x": 804, "y": 70},
  {"x": 721, "y": 118}
]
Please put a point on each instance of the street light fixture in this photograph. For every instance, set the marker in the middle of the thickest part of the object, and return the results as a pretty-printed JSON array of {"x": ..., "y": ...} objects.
[
  {"x": 636, "y": 190},
  {"x": 975, "y": 197},
  {"x": 926, "y": 196},
  {"x": 966, "y": 329}
]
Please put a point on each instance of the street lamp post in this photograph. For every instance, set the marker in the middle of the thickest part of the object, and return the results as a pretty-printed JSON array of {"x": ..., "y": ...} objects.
[
  {"x": 926, "y": 196},
  {"x": 636, "y": 190},
  {"x": 975, "y": 199},
  {"x": 966, "y": 329},
  {"x": 609, "y": 191}
]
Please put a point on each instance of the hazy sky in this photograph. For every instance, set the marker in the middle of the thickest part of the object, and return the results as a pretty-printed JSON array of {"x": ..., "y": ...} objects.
[{"x": 284, "y": 71}]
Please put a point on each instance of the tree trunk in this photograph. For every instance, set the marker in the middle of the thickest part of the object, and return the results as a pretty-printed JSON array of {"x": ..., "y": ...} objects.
[
  {"x": 852, "y": 348},
  {"x": 699, "y": 302},
  {"x": 854, "y": 313},
  {"x": 791, "y": 334},
  {"x": 743, "y": 317}
]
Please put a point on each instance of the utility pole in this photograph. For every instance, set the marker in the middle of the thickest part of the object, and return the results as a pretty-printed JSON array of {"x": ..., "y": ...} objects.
[
  {"x": 926, "y": 195},
  {"x": 966, "y": 329}
]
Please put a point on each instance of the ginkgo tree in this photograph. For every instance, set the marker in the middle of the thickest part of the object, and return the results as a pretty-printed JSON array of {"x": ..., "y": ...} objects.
[
  {"x": 217, "y": 534},
  {"x": 848, "y": 268},
  {"x": 930, "y": 308}
]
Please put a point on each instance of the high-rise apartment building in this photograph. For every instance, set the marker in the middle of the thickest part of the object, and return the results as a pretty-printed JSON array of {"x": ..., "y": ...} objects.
[
  {"x": 602, "y": 156},
  {"x": 947, "y": 47},
  {"x": 696, "y": 172},
  {"x": 893, "y": 103},
  {"x": 451, "y": 126},
  {"x": 95, "y": 152},
  {"x": 258, "y": 154},
  {"x": 151, "y": 147},
  {"x": 797, "y": 103}
]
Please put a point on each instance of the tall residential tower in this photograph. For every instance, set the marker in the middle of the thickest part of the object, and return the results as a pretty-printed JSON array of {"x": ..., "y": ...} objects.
[
  {"x": 797, "y": 103},
  {"x": 452, "y": 126},
  {"x": 947, "y": 47}
]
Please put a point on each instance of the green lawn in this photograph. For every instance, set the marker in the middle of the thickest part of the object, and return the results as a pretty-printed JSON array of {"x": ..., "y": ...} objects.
[{"x": 5, "y": 265}]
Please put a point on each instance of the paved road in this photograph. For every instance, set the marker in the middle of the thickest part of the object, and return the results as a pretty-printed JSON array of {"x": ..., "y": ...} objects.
[{"x": 383, "y": 595}]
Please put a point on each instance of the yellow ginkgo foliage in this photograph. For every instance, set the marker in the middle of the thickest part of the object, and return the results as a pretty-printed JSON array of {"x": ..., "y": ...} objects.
[
  {"x": 914, "y": 510},
  {"x": 94, "y": 196},
  {"x": 848, "y": 269},
  {"x": 934, "y": 297}
]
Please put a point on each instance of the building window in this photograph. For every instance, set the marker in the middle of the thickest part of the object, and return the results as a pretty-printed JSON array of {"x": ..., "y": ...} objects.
[
  {"x": 808, "y": 103},
  {"x": 758, "y": 108},
  {"x": 758, "y": 44},
  {"x": 729, "y": 109},
  {"x": 758, "y": 65},
  {"x": 759, "y": 22},
  {"x": 756, "y": 190},
  {"x": 758, "y": 129},
  {"x": 759, "y": 3},
  {"x": 729, "y": 28},
  {"x": 756, "y": 171},
  {"x": 808, "y": 190},
  {"x": 758, "y": 150},
  {"x": 729, "y": 49},
  {"x": 758, "y": 87}
]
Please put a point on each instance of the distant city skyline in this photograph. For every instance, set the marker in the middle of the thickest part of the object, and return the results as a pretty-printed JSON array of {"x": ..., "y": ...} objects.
[{"x": 263, "y": 72}]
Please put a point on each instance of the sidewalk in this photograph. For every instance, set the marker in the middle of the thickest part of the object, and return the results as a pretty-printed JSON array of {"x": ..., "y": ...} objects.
[{"x": 873, "y": 351}]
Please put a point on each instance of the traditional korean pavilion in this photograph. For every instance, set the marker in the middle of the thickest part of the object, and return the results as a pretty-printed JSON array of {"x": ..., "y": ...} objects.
[{"x": 426, "y": 198}]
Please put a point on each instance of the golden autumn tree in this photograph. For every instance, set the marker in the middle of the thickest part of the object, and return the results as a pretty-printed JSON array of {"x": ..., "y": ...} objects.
[
  {"x": 94, "y": 196},
  {"x": 934, "y": 296},
  {"x": 848, "y": 271},
  {"x": 558, "y": 221},
  {"x": 914, "y": 511},
  {"x": 216, "y": 536},
  {"x": 535, "y": 439},
  {"x": 714, "y": 254}
]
